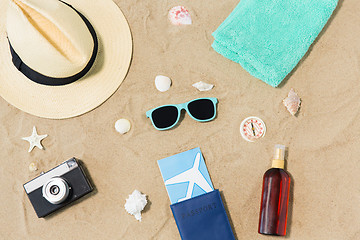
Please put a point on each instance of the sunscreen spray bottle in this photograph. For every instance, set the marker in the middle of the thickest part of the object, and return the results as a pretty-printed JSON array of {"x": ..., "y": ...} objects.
[{"x": 275, "y": 196}]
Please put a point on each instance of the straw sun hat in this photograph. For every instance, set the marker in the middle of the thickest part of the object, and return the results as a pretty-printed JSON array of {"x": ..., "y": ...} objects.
[{"x": 60, "y": 59}]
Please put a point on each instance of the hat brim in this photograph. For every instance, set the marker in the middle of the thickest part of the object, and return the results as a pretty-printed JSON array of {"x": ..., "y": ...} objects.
[{"x": 108, "y": 72}]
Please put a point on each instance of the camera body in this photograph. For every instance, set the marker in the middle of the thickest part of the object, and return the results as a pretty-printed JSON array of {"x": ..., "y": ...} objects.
[{"x": 58, "y": 187}]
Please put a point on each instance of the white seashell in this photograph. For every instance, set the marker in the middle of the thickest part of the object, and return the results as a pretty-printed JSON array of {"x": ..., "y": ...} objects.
[
  {"x": 32, "y": 167},
  {"x": 135, "y": 203},
  {"x": 179, "y": 15},
  {"x": 201, "y": 86},
  {"x": 122, "y": 125},
  {"x": 162, "y": 83},
  {"x": 292, "y": 102}
]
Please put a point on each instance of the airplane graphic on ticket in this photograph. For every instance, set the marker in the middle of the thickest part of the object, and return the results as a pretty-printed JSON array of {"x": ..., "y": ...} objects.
[{"x": 185, "y": 175}]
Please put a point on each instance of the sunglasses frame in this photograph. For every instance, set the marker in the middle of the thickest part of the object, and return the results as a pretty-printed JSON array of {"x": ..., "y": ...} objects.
[{"x": 182, "y": 106}]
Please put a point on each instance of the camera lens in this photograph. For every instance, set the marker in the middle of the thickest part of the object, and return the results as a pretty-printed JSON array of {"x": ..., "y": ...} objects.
[{"x": 56, "y": 190}]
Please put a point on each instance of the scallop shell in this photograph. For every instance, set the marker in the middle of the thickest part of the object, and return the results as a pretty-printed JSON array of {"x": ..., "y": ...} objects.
[
  {"x": 122, "y": 126},
  {"x": 179, "y": 15},
  {"x": 162, "y": 83},
  {"x": 201, "y": 86},
  {"x": 292, "y": 102}
]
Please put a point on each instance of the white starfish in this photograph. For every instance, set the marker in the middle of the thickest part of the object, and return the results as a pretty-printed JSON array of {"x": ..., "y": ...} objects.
[{"x": 35, "y": 140}]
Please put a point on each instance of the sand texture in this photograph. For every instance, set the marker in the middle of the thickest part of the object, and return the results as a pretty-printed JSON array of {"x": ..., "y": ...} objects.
[{"x": 323, "y": 141}]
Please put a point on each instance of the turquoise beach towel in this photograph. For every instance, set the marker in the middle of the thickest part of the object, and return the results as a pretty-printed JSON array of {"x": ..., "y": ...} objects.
[{"x": 269, "y": 37}]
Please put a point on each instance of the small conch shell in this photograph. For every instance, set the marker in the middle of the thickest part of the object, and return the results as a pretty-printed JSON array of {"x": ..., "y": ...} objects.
[
  {"x": 179, "y": 15},
  {"x": 201, "y": 86},
  {"x": 292, "y": 102},
  {"x": 135, "y": 203},
  {"x": 162, "y": 83}
]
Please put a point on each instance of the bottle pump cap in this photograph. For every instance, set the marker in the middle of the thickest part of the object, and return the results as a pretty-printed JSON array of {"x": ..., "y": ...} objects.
[{"x": 279, "y": 156}]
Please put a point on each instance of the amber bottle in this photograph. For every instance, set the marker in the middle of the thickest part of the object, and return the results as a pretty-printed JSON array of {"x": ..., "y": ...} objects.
[{"x": 275, "y": 196}]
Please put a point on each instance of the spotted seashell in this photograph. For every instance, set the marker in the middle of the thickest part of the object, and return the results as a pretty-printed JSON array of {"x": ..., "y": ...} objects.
[
  {"x": 292, "y": 102},
  {"x": 179, "y": 15}
]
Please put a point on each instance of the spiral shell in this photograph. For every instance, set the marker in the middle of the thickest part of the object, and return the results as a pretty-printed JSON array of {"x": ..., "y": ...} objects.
[
  {"x": 135, "y": 204},
  {"x": 292, "y": 102}
]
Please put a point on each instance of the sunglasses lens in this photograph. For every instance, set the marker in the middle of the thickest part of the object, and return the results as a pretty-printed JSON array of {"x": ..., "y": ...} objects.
[
  {"x": 202, "y": 109},
  {"x": 164, "y": 117}
]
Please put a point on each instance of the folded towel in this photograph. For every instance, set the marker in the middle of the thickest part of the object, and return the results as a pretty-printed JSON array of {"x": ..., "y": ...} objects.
[{"x": 269, "y": 37}]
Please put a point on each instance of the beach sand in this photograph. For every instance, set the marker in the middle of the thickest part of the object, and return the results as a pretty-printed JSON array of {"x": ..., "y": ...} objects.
[{"x": 323, "y": 141}]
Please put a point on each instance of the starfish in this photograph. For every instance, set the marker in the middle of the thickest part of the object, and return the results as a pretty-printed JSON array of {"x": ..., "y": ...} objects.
[{"x": 35, "y": 140}]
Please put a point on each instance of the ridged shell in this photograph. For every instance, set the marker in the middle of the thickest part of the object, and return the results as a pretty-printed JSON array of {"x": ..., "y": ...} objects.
[{"x": 292, "y": 102}]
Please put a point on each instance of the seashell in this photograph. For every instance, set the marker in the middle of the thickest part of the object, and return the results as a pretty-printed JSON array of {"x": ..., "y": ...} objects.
[
  {"x": 162, "y": 83},
  {"x": 135, "y": 203},
  {"x": 292, "y": 102},
  {"x": 122, "y": 125},
  {"x": 32, "y": 167},
  {"x": 179, "y": 15},
  {"x": 201, "y": 86}
]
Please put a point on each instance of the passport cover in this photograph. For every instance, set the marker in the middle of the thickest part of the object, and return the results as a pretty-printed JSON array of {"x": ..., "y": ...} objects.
[
  {"x": 185, "y": 175},
  {"x": 202, "y": 218}
]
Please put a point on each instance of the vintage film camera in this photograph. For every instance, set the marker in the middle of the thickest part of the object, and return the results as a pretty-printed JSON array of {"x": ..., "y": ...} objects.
[{"x": 58, "y": 187}]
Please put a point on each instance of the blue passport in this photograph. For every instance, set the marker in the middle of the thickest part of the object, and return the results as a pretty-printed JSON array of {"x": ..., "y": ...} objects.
[
  {"x": 197, "y": 208},
  {"x": 203, "y": 218}
]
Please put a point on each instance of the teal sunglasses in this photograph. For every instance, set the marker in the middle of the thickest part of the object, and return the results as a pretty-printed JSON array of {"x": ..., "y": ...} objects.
[{"x": 167, "y": 116}]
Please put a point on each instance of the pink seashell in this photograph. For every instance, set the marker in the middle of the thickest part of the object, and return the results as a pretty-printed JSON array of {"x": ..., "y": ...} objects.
[
  {"x": 292, "y": 102},
  {"x": 179, "y": 15}
]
